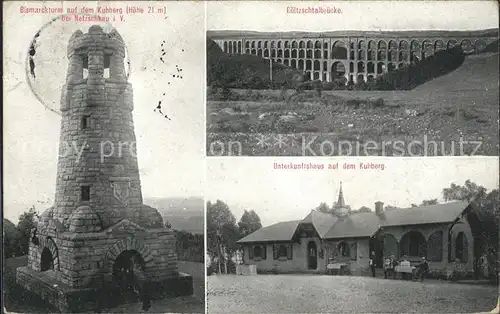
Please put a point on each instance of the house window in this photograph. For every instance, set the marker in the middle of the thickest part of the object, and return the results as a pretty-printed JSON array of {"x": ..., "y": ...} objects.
[
  {"x": 85, "y": 66},
  {"x": 461, "y": 246},
  {"x": 107, "y": 62},
  {"x": 250, "y": 253},
  {"x": 435, "y": 247},
  {"x": 343, "y": 248},
  {"x": 290, "y": 252},
  {"x": 85, "y": 122},
  {"x": 282, "y": 250},
  {"x": 259, "y": 251},
  {"x": 85, "y": 193},
  {"x": 354, "y": 251}
]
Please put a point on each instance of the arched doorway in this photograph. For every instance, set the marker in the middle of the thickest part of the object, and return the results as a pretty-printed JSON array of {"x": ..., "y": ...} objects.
[
  {"x": 413, "y": 244},
  {"x": 390, "y": 246},
  {"x": 461, "y": 248},
  {"x": 312, "y": 254},
  {"x": 46, "y": 260},
  {"x": 126, "y": 269}
]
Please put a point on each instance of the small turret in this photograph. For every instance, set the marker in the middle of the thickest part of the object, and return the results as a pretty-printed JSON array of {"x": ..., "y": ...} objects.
[{"x": 340, "y": 208}]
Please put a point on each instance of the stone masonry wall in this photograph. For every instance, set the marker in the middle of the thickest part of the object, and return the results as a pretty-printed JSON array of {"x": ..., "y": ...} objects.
[
  {"x": 103, "y": 149},
  {"x": 83, "y": 258}
]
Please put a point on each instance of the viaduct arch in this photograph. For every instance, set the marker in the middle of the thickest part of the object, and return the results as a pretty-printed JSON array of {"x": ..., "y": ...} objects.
[{"x": 358, "y": 58}]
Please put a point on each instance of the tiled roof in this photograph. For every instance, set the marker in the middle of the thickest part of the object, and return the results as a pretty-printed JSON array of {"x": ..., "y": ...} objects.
[
  {"x": 354, "y": 226},
  {"x": 439, "y": 213},
  {"x": 322, "y": 222},
  {"x": 360, "y": 224},
  {"x": 281, "y": 231},
  {"x": 366, "y": 224}
]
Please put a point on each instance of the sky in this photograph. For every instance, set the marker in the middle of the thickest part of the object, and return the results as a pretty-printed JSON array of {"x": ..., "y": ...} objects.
[
  {"x": 170, "y": 153},
  {"x": 282, "y": 195},
  {"x": 356, "y": 15}
]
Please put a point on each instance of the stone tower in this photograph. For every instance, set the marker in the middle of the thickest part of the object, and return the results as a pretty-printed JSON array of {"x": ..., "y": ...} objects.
[{"x": 98, "y": 223}]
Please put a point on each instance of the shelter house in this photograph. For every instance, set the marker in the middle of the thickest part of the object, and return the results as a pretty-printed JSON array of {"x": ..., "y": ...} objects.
[{"x": 442, "y": 233}]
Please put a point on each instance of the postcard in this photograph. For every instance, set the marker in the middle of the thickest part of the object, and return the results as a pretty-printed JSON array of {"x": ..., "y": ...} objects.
[{"x": 103, "y": 157}]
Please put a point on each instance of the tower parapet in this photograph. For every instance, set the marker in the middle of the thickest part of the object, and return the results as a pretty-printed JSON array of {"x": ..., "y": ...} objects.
[{"x": 96, "y": 52}]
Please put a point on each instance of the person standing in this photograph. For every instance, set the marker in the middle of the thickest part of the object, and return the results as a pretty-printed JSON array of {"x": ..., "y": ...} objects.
[
  {"x": 394, "y": 264},
  {"x": 387, "y": 267},
  {"x": 423, "y": 268},
  {"x": 372, "y": 264},
  {"x": 142, "y": 284}
]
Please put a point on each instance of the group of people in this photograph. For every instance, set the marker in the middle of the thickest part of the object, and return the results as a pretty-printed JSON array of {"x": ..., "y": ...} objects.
[{"x": 391, "y": 262}]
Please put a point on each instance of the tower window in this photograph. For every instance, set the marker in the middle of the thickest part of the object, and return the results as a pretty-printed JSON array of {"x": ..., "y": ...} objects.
[
  {"x": 85, "y": 66},
  {"x": 85, "y": 193},
  {"x": 107, "y": 62},
  {"x": 85, "y": 122}
]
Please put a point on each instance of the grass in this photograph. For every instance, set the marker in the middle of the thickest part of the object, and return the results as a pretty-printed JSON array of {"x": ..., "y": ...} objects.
[
  {"x": 17, "y": 299},
  {"x": 462, "y": 104}
]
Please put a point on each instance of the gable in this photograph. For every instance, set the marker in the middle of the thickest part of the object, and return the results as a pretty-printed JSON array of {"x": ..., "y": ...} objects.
[{"x": 124, "y": 226}]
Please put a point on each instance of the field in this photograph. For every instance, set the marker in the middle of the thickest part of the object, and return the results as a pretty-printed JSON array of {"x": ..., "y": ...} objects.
[
  {"x": 459, "y": 111},
  {"x": 343, "y": 294},
  {"x": 17, "y": 300}
]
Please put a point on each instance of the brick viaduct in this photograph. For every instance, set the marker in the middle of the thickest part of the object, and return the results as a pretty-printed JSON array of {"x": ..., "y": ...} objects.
[{"x": 350, "y": 57}]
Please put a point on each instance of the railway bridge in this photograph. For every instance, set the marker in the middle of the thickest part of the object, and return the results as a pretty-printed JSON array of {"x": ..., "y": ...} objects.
[{"x": 351, "y": 56}]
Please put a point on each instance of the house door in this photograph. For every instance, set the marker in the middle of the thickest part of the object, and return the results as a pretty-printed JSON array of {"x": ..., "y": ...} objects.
[{"x": 312, "y": 253}]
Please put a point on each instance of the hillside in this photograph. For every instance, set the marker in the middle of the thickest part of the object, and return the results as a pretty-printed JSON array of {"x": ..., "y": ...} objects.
[
  {"x": 183, "y": 213},
  {"x": 477, "y": 72},
  {"x": 243, "y": 71}
]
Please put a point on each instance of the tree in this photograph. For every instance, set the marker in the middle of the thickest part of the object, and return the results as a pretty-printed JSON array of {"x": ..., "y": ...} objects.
[
  {"x": 11, "y": 239},
  {"x": 486, "y": 207},
  {"x": 324, "y": 208},
  {"x": 25, "y": 225},
  {"x": 362, "y": 209},
  {"x": 429, "y": 202},
  {"x": 467, "y": 192},
  {"x": 390, "y": 207},
  {"x": 249, "y": 222},
  {"x": 222, "y": 233}
]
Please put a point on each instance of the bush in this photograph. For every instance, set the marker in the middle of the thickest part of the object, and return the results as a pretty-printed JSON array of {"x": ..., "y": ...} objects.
[
  {"x": 408, "y": 77},
  {"x": 11, "y": 240},
  {"x": 379, "y": 102},
  {"x": 190, "y": 247},
  {"x": 245, "y": 71},
  {"x": 221, "y": 94},
  {"x": 328, "y": 85}
]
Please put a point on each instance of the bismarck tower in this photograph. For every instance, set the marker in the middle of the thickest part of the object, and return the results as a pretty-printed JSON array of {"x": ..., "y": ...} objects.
[{"x": 98, "y": 228}]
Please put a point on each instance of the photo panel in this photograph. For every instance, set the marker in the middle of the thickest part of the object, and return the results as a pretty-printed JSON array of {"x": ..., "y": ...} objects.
[
  {"x": 103, "y": 157},
  {"x": 352, "y": 78},
  {"x": 352, "y": 235}
]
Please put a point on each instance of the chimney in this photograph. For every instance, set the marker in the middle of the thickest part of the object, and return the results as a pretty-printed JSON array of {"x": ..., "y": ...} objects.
[{"x": 379, "y": 208}]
